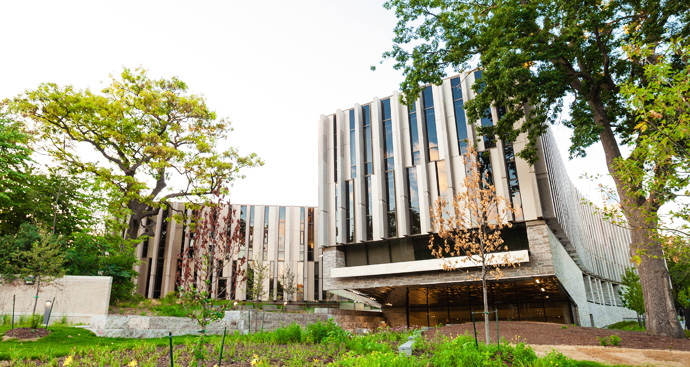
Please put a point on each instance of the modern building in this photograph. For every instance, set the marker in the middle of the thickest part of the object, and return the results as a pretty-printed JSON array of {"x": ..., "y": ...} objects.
[
  {"x": 381, "y": 167},
  {"x": 282, "y": 237}
]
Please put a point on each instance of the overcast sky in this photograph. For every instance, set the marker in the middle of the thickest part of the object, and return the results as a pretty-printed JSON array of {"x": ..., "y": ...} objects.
[{"x": 271, "y": 67}]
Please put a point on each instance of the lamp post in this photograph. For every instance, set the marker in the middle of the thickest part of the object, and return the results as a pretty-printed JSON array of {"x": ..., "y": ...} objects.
[{"x": 48, "y": 310}]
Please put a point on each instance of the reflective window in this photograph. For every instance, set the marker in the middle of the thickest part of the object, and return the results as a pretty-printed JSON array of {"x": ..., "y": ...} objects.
[
  {"x": 317, "y": 274},
  {"x": 369, "y": 209},
  {"x": 243, "y": 230},
  {"x": 265, "y": 246},
  {"x": 389, "y": 168},
  {"x": 300, "y": 281},
  {"x": 430, "y": 123},
  {"x": 350, "y": 211},
  {"x": 335, "y": 149},
  {"x": 250, "y": 246},
  {"x": 485, "y": 168},
  {"x": 368, "y": 170},
  {"x": 366, "y": 130},
  {"x": 301, "y": 233},
  {"x": 310, "y": 234},
  {"x": 413, "y": 200},
  {"x": 441, "y": 178},
  {"x": 281, "y": 233},
  {"x": 353, "y": 143},
  {"x": 458, "y": 107},
  {"x": 511, "y": 173},
  {"x": 414, "y": 135},
  {"x": 489, "y": 141}
]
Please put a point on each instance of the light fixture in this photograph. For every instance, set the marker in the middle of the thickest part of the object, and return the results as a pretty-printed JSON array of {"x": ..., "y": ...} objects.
[
  {"x": 46, "y": 314},
  {"x": 537, "y": 280},
  {"x": 543, "y": 290}
]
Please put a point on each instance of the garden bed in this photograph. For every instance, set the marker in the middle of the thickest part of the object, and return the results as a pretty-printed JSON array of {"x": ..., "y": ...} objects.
[{"x": 542, "y": 333}]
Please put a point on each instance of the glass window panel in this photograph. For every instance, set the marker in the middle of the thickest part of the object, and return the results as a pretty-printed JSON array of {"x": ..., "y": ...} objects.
[
  {"x": 414, "y": 135},
  {"x": 441, "y": 177},
  {"x": 413, "y": 201},
  {"x": 353, "y": 143},
  {"x": 281, "y": 233},
  {"x": 310, "y": 234}
]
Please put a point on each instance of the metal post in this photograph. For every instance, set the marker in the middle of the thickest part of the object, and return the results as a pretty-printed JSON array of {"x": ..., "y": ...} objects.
[
  {"x": 50, "y": 312},
  {"x": 476, "y": 344},
  {"x": 222, "y": 344},
  {"x": 172, "y": 363},
  {"x": 13, "y": 299}
]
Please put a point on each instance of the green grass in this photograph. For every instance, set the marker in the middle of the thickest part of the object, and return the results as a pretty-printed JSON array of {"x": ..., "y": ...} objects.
[
  {"x": 626, "y": 325},
  {"x": 63, "y": 339},
  {"x": 313, "y": 345}
]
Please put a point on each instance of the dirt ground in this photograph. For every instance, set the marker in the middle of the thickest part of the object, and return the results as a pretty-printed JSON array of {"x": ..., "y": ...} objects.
[{"x": 636, "y": 348}]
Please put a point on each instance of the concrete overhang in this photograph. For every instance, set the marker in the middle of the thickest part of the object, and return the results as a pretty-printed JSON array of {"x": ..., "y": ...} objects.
[{"x": 459, "y": 262}]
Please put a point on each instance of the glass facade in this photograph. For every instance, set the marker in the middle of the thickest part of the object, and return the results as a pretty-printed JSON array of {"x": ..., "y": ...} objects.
[
  {"x": 250, "y": 245},
  {"x": 243, "y": 230},
  {"x": 281, "y": 233},
  {"x": 302, "y": 219},
  {"x": 389, "y": 159},
  {"x": 485, "y": 168},
  {"x": 350, "y": 211},
  {"x": 368, "y": 170},
  {"x": 413, "y": 201},
  {"x": 441, "y": 178},
  {"x": 310, "y": 234},
  {"x": 521, "y": 300},
  {"x": 459, "y": 111},
  {"x": 487, "y": 120},
  {"x": 430, "y": 124},
  {"x": 414, "y": 135},
  {"x": 416, "y": 248},
  {"x": 160, "y": 256},
  {"x": 353, "y": 144},
  {"x": 335, "y": 149},
  {"x": 511, "y": 173},
  {"x": 265, "y": 245}
]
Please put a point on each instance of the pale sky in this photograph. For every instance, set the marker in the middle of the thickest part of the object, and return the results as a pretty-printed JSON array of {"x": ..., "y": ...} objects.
[{"x": 271, "y": 67}]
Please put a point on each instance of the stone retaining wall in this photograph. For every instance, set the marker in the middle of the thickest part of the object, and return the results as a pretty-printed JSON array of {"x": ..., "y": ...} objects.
[{"x": 118, "y": 326}]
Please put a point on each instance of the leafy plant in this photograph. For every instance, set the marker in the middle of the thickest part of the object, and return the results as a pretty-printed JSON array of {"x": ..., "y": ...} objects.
[
  {"x": 614, "y": 340},
  {"x": 604, "y": 341}
]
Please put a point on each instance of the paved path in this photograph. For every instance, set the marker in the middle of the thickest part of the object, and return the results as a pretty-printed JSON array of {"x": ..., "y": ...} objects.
[{"x": 627, "y": 356}]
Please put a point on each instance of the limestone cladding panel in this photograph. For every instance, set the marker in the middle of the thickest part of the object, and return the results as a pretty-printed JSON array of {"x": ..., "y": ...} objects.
[{"x": 540, "y": 264}]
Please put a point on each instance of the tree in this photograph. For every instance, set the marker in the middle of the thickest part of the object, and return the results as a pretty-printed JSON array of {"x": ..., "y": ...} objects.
[
  {"x": 214, "y": 242},
  {"x": 257, "y": 274},
  {"x": 542, "y": 54},
  {"x": 135, "y": 138},
  {"x": 631, "y": 295},
  {"x": 15, "y": 156},
  {"x": 42, "y": 263},
  {"x": 289, "y": 284},
  {"x": 471, "y": 227}
]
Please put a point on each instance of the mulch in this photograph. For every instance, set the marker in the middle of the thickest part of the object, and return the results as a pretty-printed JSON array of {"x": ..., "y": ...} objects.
[
  {"x": 27, "y": 333},
  {"x": 553, "y": 334}
]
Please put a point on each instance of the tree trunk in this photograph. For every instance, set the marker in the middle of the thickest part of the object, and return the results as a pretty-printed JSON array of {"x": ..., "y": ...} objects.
[
  {"x": 654, "y": 277},
  {"x": 661, "y": 316},
  {"x": 487, "y": 340},
  {"x": 38, "y": 287}
]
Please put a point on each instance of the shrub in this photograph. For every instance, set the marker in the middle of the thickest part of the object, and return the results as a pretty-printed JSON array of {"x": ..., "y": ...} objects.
[
  {"x": 564, "y": 326},
  {"x": 604, "y": 341},
  {"x": 287, "y": 335},
  {"x": 687, "y": 334},
  {"x": 614, "y": 340},
  {"x": 318, "y": 332}
]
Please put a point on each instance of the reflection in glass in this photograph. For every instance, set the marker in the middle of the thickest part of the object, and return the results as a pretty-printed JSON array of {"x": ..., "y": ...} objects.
[
  {"x": 250, "y": 246},
  {"x": 366, "y": 129},
  {"x": 243, "y": 230},
  {"x": 350, "y": 211},
  {"x": 353, "y": 149},
  {"x": 281, "y": 233},
  {"x": 391, "y": 220},
  {"x": 265, "y": 246},
  {"x": 368, "y": 207},
  {"x": 310, "y": 234},
  {"x": 414, "y": 134},
  {"x": 301, "y": 233},
  {"x": 460, "y": 121},
  {"x": 413, "y": 200},
  {"x": 430, "y": 124}
]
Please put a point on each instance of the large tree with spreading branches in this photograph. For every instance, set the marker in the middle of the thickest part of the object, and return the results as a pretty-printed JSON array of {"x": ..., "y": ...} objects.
[
  {"x": 538, "y": 55},
  {"x": 144, "y": 140}
]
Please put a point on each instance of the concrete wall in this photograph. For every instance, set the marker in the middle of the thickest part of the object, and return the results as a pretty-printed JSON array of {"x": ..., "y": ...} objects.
[
  {"x": 77, "y": 297},
  {"x": 117, "y": 326}
]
